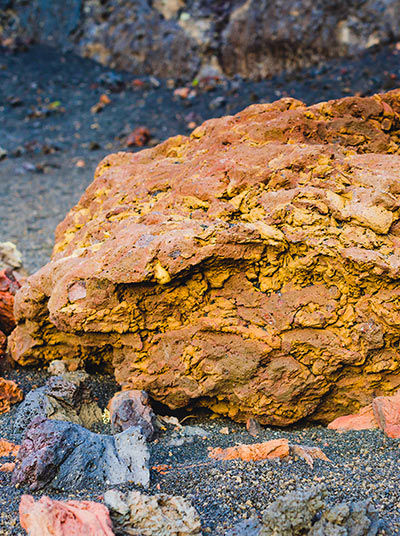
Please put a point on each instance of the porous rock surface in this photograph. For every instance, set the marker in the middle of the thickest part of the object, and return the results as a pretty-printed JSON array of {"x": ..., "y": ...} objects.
[
  {"x": 63, "y": 398},
  {"x": 159, "y": 515},
  {"x": 307, "y": 512},
  {"x": 251, "y": 268},
  {"x": 65, "y": 456}
]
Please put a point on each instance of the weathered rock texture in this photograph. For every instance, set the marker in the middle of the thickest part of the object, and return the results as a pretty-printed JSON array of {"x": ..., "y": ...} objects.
[
  {"x": 252, "y": 268},
  {"x": 47, "y": 517},
  {"x": 60, "y": 399},
  {"x": 132, "y": 408},
  {"x": 182, "y": 38},
  {"x": 65, "y": 456},
  {"x": 10, "y": 394},
  {"x": 158, "y": 515},
  {"x": 307, "y": 513},
  {"x": 383, "y": 413}
]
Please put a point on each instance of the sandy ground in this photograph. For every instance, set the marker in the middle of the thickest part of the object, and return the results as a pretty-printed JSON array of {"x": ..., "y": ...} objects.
[{"x": 39, "y": 182}]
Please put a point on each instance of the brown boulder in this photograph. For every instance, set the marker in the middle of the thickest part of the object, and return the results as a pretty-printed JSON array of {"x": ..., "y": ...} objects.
[
  {"x": 252, "y": 268},
  {"x": 47, "y": 517},
  {"x": 132, "y": 408}
]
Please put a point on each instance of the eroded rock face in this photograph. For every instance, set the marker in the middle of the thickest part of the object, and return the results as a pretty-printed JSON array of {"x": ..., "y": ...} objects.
[
  {"x": 132, "y": 408},
  {"x": 251, "y": 268}
]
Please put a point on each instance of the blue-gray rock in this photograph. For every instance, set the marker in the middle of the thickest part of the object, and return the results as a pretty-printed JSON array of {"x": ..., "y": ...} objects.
[{"x": 65, "y": 456}]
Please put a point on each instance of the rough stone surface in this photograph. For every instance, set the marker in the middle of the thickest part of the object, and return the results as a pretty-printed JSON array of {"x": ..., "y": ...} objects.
[
  {"x": 60, "y": 399},
  {"x": 187, "y": 38},
  {"x": 276, "y": 448},
  {"x": 251, "y": 268},
  {"x": 47, "y": 517},
  {"x": 11, "y": 258},
  {"x": 65, "y": 456},
  {"x": 10, "y": 394},
  {"x": 383, "y": 413},
  {"x": 363, "y": 420},
  {"x": 9, "y": 285},
  {"x": 132, "y": 408},
  {"x": 158, "y": 515},
  {"x": 306, "y": 513}
]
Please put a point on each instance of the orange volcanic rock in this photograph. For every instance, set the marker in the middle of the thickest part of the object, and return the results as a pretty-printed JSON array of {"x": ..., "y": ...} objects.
[
  {"x": 7, "y": 448},
  {"x": 47, "y": 517},
  {"x": 363, "y": 420},
  {"x": 251, "y": 268},
  {"x": 10, "y": 393},
  {"x": 276, "y": 448}
]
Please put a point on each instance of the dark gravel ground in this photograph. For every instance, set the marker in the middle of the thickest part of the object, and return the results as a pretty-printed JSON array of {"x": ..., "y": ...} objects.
[{"x": 39, "y": 182}]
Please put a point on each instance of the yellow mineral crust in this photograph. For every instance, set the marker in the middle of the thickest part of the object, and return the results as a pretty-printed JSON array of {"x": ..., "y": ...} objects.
[{"x": 252, "y": 268}]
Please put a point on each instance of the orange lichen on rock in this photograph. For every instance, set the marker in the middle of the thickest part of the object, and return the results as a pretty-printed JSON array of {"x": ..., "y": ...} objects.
[
  {"x": 251, "y": 268},
  {"x": 47, "y": 517},
  {"x": 276, "y": 448},
  {"x": 10, "y": 394}
]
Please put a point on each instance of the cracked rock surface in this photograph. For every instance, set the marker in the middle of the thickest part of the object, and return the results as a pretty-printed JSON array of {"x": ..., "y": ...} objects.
[{"x": 251, "y": 268}]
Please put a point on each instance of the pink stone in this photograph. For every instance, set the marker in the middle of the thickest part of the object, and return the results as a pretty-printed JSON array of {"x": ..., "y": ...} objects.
[
  {"x": 363, "y": 420},
  {"x": 71, "y": 518}
]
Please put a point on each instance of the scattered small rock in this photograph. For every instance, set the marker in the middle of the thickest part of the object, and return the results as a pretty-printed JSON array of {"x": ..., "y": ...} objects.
[
  {"x": 47, "y": 517},
  {"x": 157, "y": 515},
  {"x": 138, "y": 138}
]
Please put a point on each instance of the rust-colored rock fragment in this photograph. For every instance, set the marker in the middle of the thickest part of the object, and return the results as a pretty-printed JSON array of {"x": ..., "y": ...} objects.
[
  {"x": 47, "y": 517},
  {"x": 7, "y": 467},
  {"x": 139, "y": 137},
  {"x": 7, "y": 448},
  {"x": 363, "y": 420},
  {"x": 387, "y": 414},
  {"x": 10, "y": 394},
  {"x": 251, "y": 268},
  {"x": 276, "y": 448},
  {"x": 309, "y": 454}
]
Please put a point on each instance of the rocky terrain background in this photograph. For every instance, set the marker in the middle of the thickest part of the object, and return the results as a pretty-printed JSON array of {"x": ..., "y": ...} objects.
[{"x": 184, "y": 38}]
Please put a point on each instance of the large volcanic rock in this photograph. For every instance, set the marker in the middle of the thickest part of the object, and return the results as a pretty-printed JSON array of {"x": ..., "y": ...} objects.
[{"x": 252, "y": 268}]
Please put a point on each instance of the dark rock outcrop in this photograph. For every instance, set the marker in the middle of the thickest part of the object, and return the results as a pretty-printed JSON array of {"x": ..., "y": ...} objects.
[
  {"x": 183, "y": 39},
  {"x": 65, "y": 456}
]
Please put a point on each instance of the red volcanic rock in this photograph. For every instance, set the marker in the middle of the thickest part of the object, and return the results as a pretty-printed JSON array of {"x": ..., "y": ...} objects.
[
  {"x": 10, "y": 394},
  {"x": 132, "y": 408},
  {"x": 46, "y": 517},
  {"x": 276, "y": 448},
  {"x": 387, "y": 413},
  {"x": 363, "y": 420},
  {"x": 251, "y": 268}
]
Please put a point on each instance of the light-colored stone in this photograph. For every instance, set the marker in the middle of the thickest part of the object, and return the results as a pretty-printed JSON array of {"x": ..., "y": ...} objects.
[{"x": 158, "y": 515}]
